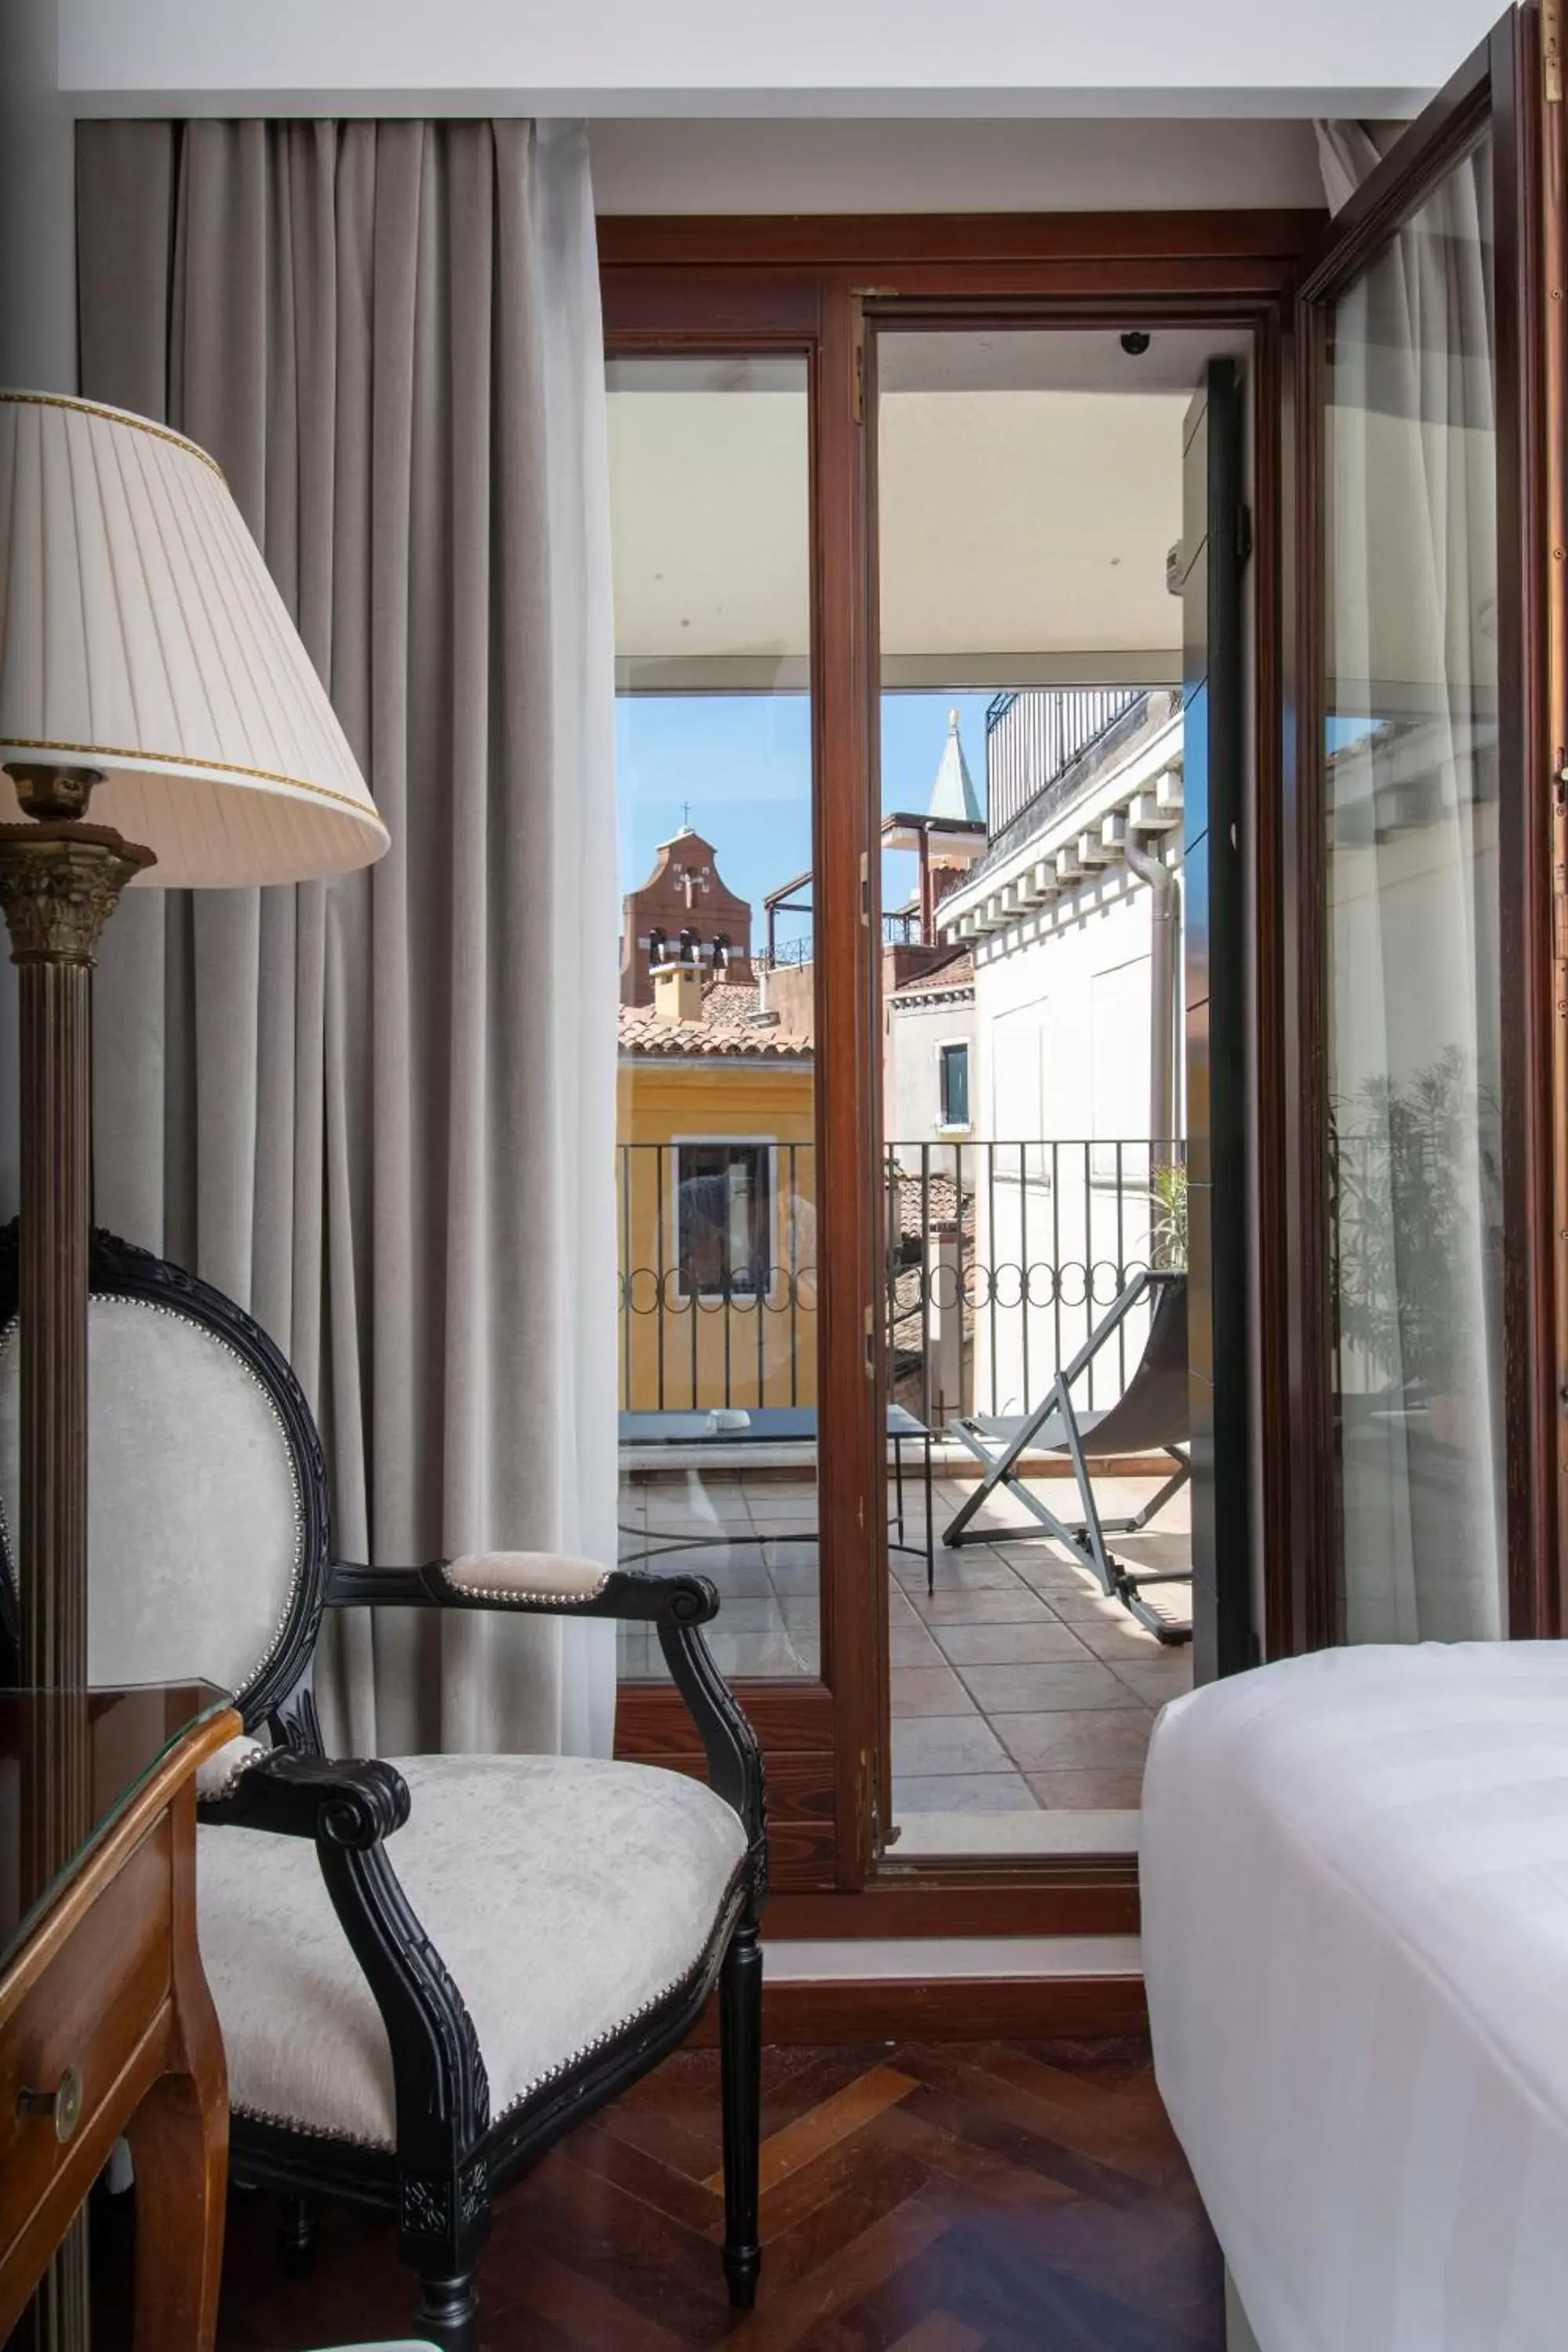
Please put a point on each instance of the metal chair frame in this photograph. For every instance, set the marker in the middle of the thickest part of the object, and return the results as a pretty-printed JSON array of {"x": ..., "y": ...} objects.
[{"x": 1001, "y": 1450}]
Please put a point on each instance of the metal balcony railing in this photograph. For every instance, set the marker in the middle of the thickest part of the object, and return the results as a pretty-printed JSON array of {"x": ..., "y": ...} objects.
[
  {"x": 1033, "y": 736},
  {"x": 1001, "y": 1257}
]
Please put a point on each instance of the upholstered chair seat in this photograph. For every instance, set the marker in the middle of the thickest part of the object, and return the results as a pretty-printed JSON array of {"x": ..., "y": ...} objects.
[{"x": 567, "y": 1898}]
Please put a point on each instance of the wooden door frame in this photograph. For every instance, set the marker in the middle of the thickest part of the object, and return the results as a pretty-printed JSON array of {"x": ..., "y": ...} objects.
[
  {"x": 751, "y": 285},
  {"x": 1498, "y": 88}
]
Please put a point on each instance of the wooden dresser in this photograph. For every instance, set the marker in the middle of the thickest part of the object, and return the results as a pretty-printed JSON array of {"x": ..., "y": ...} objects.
[{"x": 107, "y": 2028}]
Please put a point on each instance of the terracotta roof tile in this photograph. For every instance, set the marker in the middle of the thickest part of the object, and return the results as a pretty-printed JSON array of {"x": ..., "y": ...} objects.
[
  {"x": 729, "y": 1000},
  {"x": 725, "y": 1034}
]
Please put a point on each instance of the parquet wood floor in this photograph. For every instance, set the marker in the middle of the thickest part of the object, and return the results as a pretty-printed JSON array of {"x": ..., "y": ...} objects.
[{"x": 926, "y": 2198}]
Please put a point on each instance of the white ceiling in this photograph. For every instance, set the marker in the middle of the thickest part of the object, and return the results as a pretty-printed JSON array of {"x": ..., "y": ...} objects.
[
  {"x": 1006, "y": 58},
  {"x": 1029, "y": 522},
  {"x": 1027, "y": 500}
]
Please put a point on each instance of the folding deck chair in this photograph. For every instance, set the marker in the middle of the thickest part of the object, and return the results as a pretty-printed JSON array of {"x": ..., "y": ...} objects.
[{"x": 1151, "y": 1416}]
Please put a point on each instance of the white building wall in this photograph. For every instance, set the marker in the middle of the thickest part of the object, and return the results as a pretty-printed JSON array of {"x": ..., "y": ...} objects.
[
  {"x": 1061, "y": 1103},
  {"x": 911, "y": 1096}
]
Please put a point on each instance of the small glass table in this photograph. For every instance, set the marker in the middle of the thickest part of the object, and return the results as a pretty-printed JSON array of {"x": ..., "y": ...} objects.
[
  {"x": 771, "y": 1425},
  {"x": 112, "y": 1740}
]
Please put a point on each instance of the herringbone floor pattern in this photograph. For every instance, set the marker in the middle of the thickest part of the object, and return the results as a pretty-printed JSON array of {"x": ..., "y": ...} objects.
[{"x": 931, "y": 2197}]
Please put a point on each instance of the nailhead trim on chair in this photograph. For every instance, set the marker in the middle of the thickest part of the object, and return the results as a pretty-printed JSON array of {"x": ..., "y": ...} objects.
[
  {"x": 210, "y": 1792},
  {"x": 155, "y": 1306},
  {"x": 517, "y": 1598},
  {"x": 540, "y": 2082}
]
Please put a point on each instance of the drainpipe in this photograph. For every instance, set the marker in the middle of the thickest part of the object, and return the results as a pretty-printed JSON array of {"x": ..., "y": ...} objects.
[{"x": 1165, "y": 947}]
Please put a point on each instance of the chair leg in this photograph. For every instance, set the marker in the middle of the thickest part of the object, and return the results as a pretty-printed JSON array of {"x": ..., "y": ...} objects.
[
  {"x": 299, "y": 2235},
  {"x": 449, "y": 2311},
  {"x": 740, "y": 2056}
]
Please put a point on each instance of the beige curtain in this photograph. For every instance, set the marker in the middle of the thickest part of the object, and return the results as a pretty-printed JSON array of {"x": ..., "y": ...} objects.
[
  {"x": 1349, "y": 153},
  {"x": 1413, "y": 913},
  {"x": 379, "y": 1111}
]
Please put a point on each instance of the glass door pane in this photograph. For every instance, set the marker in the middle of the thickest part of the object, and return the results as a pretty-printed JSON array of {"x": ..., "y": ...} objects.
[
  {"x": 715, "y": 1143},
  {"x": 1410, "y": 755},
  {"x": 1041, "y": 503}
]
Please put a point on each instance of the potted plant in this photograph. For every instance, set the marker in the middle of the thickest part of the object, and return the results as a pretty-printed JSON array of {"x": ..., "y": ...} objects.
[{"x": 1168, "y": 1193}]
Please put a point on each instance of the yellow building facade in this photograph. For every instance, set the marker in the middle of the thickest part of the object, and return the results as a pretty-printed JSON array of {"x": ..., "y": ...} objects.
[{"x": 716, "y": 1177}]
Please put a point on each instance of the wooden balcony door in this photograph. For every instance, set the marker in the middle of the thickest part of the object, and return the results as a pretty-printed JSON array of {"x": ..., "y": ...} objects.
[
  {"x": 744, "y": 302},
  {"x": 1425, "y": 1159}
]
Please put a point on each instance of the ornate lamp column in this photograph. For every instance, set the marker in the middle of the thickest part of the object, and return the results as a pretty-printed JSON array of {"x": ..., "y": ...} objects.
[{"x": 59, "y": 882}]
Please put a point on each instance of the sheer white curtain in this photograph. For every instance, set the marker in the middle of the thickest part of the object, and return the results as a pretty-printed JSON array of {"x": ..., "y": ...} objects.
[
  {"x": 1413, "y": 917},
  {"x": 380, "y": 1111}
]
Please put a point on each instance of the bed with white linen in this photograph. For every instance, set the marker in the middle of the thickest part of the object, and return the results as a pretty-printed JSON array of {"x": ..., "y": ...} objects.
[{"x": 1356, "y": 1942}]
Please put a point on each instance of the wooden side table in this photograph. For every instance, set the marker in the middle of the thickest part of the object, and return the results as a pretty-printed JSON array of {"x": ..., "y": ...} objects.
[{"x": 107, "y": 2028}]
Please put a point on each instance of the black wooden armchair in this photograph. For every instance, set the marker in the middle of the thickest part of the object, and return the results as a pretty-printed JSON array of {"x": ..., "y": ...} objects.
[{"x": 425, "y": 1970}]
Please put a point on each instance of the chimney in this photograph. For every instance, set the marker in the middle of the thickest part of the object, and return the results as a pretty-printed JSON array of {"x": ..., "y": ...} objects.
[{"x": 677, "y": 993}]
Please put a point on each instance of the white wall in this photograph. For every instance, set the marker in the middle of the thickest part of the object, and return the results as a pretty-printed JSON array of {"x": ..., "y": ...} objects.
[{"x": 849, "y": 57}]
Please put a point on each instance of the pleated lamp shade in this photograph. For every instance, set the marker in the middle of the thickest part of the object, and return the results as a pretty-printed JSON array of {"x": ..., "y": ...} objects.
[{"x": 142, "y": 634}]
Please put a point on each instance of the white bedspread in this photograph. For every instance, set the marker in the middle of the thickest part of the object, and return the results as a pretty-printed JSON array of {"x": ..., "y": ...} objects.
[{"x": 1355, "y": 1939}]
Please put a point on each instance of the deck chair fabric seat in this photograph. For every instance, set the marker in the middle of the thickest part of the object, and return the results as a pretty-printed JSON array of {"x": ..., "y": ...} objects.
[
  {"x": 1151, "y": 1416},
  {"x": 565, "y": 1896},
  {"x": 1134, "y": 1424}
]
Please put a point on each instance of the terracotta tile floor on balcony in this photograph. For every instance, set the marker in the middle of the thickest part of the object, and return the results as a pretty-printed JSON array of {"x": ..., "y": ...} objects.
[{"x": 1019, "y": 1689}]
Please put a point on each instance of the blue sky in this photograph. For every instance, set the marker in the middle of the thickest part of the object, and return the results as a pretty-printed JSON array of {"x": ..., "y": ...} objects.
[{"x": 742, "y": 764}]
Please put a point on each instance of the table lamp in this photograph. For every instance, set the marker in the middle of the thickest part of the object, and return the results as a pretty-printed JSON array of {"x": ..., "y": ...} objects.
[{"x": 159, "y": 720}]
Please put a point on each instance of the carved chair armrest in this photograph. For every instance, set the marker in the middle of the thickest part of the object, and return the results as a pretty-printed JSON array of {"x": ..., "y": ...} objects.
[
  {"x": 548, "y": 1583},
  {"x": 354, "y": 1804},
  {"x": 350, "y": 1808}
]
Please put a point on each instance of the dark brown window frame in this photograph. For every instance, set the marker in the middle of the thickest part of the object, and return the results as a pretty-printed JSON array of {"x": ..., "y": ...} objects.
[
  {"x": 757, "y": 285},
  {"x": 1498, "y": 88}
]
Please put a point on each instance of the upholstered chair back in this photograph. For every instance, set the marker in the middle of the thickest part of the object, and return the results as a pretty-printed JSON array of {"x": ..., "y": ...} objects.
[{"x": 206, "y": 1521}]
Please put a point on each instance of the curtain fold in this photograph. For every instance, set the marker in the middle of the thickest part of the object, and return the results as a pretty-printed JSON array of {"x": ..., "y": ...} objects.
[
  {"x": 1347, "y": 155},
  {"x": 380, "y": 1111}
]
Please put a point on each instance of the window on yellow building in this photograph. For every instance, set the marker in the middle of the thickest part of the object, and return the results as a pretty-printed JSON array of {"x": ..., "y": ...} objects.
[{"x": 721, "y": 1212}]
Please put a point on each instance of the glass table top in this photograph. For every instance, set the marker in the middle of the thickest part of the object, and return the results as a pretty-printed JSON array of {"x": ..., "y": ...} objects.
[{"x": 109, "y": 1742}]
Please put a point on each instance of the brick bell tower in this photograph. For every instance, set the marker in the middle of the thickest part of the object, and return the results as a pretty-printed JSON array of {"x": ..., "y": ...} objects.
[{"x": 683, "y": 914}]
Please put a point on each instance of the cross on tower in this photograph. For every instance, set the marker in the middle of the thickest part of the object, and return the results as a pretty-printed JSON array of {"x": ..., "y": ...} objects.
[{"x": 692, "y": 879}]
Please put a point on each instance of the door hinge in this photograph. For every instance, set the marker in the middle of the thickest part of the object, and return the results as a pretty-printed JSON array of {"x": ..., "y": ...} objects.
[
  {"x": 1551, "y": 51},
  {"x": 883, "y": 1834},
  {"x": 866, "y": 890},
  {"x": 871, "y": 1343},
  {"x": 1243, "y": 534}
]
